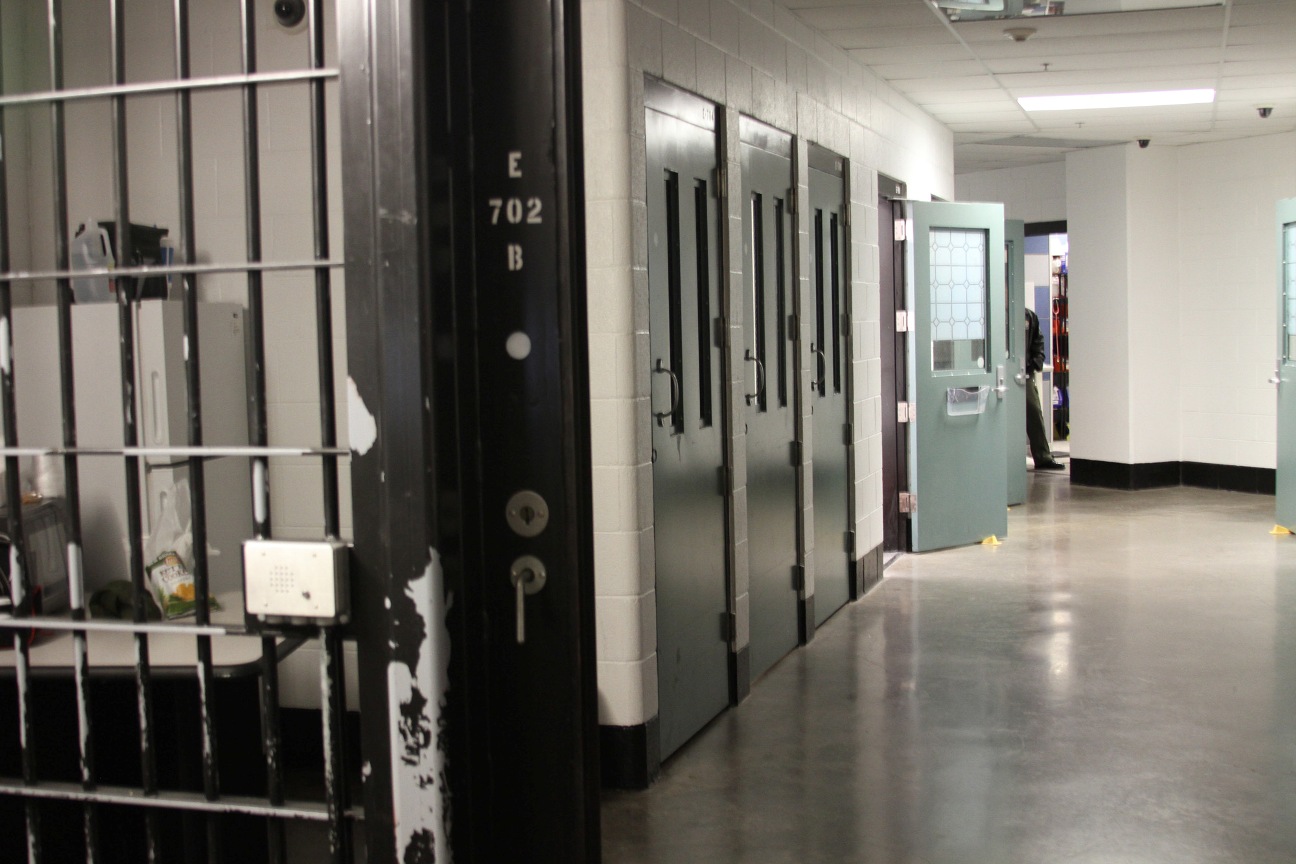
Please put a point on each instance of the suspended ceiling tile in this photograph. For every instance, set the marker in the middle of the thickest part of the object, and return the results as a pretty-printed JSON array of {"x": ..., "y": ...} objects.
[
  {"x": 844, "y": 17},
  {"x": 926, "y": 70},
  {"x": 878, "y": 37}
]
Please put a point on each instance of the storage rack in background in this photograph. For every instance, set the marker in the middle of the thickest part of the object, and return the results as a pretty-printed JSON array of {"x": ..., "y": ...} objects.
[{"x": 1061, "y": 350}]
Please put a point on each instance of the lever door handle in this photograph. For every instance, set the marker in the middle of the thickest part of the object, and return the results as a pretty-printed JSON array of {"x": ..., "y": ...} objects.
[{"x": 528, "y": 576}]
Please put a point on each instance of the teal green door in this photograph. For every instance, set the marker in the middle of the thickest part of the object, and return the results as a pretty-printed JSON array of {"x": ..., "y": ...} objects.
[
  {"x": 958, "y": 379},
  {"x": 1014, "y": 327},
  {"x": 1286, "y": 378}
]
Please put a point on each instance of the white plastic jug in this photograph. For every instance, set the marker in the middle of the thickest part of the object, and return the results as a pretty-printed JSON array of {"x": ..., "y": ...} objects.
[{"x": 92, "y": 250}]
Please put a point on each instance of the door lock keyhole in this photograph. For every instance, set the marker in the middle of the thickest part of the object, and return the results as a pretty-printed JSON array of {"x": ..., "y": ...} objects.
[{"x": 527, "y": 513}]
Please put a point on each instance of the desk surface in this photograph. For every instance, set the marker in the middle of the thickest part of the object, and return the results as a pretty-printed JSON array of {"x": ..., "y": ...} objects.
[{"x": 111, "y": 653}]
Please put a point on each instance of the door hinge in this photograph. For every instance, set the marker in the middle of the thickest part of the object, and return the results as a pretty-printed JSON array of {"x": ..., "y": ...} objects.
[
  {"x": 718, "y": 327},
  {"x": 902, "y": 321},
  {"x": 728, "y": 627},
  {"x": 848, "y": 437},
  {"x": 794, "y": 202},
  {"x": 793, "y": 327},
  {"x": 845, "y": 324},
  {"x": 850, "y": 543},
  {"x": 900, "y": 231},
  {"x": 846, "y": 211},
  {"x": 722, "y": 182},
  {"x": 904, "y": 412},
  {"x": 796, "y": 453},
  {"x": 798, "y": 577},
  {"x": 908, "y": 502},
  {"x": 722, "y": 475}
]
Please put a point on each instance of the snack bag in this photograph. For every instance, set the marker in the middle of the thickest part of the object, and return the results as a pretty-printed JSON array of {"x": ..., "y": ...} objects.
[{"x": 169, "y": 547}]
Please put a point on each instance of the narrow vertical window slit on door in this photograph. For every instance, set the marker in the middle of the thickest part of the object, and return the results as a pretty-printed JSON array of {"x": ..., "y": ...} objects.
[
  {"x": 837, "y": 305},
  {"x": 705, "y": 333},
  {"x": 676, "y": 300},
  {"x": 758, "y": 298},
  {"x": 820, "y": 329},
  {"x": 780, "y": 278}
]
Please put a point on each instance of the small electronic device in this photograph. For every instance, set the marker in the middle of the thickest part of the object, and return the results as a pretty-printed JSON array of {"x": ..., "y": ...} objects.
[{"x": 296, "y": 582}]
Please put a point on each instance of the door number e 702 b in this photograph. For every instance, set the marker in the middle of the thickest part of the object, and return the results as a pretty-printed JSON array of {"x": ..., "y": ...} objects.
[{"x": 515, "y": 211}]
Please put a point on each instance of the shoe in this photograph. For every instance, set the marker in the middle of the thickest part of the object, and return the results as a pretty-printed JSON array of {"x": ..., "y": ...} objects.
[{"x": 1050, "y": 465}]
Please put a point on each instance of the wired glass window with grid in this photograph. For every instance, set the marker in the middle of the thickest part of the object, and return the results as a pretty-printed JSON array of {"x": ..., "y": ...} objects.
[{"x": 168, "y": 296}]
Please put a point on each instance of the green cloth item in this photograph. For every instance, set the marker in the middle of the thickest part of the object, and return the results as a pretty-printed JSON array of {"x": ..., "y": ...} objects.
[{"x": 114, "y": 601}]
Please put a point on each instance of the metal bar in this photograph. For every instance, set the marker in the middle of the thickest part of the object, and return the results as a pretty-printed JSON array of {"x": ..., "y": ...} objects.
[
  {"x": 101, "y": 625},
  {"x": 188, "y": 251},
  {"x": 175, "y": 452},
  {"x": 333, "y": 701},
  {"x": 310, "y": 811},
  {"x": 173, "y": 270},
  {"x": 71, "y": 469},
  {"x": 323, "y": 284},
  {"x": 332, "y": 680},
  {"x": 258, "y": 424},
  {"x": 130, "y": 435},
  {"x": 153, "y": 87},
  {"x": 19, "y": 579}
]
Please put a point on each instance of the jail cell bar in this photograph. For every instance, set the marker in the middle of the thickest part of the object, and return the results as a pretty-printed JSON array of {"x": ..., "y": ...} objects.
[{"x": 32, "y": 789}]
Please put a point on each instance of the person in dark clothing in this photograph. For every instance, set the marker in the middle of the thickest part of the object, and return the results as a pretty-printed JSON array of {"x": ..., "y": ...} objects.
[{"x": 1035, "y": 433}]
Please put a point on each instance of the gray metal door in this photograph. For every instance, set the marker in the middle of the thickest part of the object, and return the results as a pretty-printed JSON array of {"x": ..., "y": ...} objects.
[
  {"x": 956, "y": 375},
  {"x": 829, "y": 370},
  {"x": 688, "y": 489},
  {"x": 1014, "y": 327},
  {"x": 769, "y": 377}
]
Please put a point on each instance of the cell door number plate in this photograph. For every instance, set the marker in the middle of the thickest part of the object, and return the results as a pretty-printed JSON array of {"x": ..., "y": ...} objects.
[{"x": 527, "y": 513}]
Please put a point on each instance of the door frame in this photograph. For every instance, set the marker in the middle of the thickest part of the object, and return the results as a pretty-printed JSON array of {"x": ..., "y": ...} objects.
[
  {"x": 426, "y": 125},
  {"x": 891, "y": 297}
]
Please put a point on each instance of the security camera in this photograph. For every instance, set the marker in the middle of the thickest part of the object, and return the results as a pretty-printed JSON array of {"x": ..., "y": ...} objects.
[
  {"x": 1265, "y": 112},
  {"x": 289, "y": 13},
  {"x": 1144, "y": 142}
]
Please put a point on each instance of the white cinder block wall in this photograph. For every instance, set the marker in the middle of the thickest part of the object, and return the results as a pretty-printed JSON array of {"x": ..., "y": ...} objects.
[
  {"x": 1228, "y": 296},
  {"x": 1032, "y": 193},
  {"x": 220, "y": 234},
  {"x": 752, "y": 57},
  {"x": 1173, "y": 248}
]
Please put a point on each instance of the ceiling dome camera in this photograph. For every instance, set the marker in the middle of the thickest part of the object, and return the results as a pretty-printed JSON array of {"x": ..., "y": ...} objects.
[
  {"x": 1265, "y": 112},
  {"x": 1144, "y": 142},
  {"x": 289, "y": 13}
]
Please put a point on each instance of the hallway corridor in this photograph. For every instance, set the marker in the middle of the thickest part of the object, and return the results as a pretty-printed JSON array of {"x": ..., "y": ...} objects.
[{"x": 1115, "y": 683}]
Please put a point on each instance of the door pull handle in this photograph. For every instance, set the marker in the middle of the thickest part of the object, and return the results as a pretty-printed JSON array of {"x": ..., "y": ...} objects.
[
  {"x": 528, "y": 577},
  {"x": 1275, "y": 379},
  {"x": 675, "y": 394},
  {"x": 821, "y": 371},
  {"x": 760, "y": 377},
  {"x": 1020, "y": 379}
]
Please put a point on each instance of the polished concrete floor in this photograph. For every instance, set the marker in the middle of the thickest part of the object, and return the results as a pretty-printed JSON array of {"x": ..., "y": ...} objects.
[{"x": 1116, "y": 683}]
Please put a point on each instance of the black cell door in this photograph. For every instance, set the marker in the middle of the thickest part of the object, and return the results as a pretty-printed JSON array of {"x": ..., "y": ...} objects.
[
  {"x": 830, "y": 359},
  {"x": 769, "y": 376},
  {"x": 687, "y": 435}
]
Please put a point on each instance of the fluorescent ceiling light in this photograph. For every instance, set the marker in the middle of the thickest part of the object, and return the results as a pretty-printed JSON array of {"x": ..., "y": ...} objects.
[{"x": 1117, "y": 100}]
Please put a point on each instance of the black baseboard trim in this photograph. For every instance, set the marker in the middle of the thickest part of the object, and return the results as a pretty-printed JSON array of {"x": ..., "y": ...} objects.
[
  {"x": 1233, "y": 478},
  {"x": 1119, "y": 475},
  {"x": 806, "y": 624},
  {"x": 740, "y": 664},
  {"x": 873, "y": 567},
  {"x": 1151, "y": 475},
  {"x": 630, "y": 755}
]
